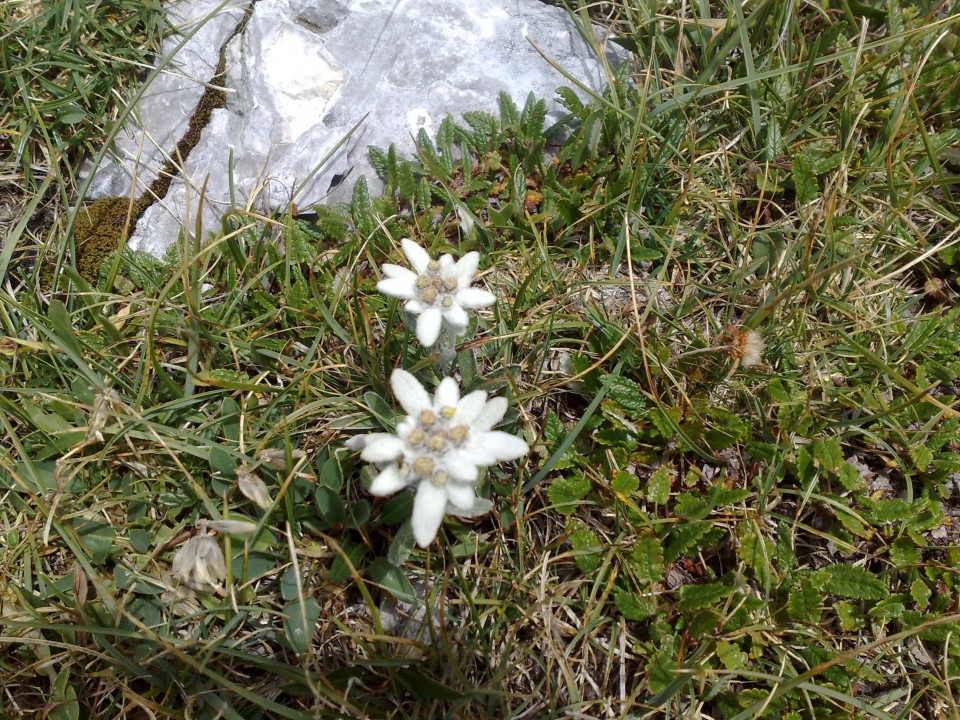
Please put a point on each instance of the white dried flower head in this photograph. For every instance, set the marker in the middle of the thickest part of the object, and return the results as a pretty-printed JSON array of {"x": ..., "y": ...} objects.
[
  {"x": 199, "y": 564},
  {"x": 438, "y": 292},
  {"x": 253, "y": 488},
  {"x": 746, "y": 347},
  {"x": 439, "y": 448},
  {"x": 104, "y": 402},
  {"x": 233, "y": 527},
  {"x": 277, "y": 457}
]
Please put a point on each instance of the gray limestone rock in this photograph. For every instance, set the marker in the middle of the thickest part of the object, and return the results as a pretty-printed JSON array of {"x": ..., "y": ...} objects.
[{"x": 303, "y": 73}]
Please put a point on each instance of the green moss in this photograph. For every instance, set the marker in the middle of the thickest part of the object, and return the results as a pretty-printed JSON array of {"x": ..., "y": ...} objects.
[{"x": 100, "y": 228}]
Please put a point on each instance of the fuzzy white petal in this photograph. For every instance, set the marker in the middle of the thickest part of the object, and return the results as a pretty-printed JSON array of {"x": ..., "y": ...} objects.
[
  {"x": 409, "y": 392},
  {"x": 446, "y": 261},
  {"x": 398, "y": 288},
  {"x": 385, "y": 448},
  {"x": 490, "y": 414},
  {"x": 398, "y": 271},
  {"x": 428, "y": 508},
  {"x": 466, "y": 268},
  {"x": 481, "y": 506},
  {"x": 414, "y": 306},
  {"x": 418, "y": 257},
  {"x": 428, "y": 326},
  {"x": 461, "y": 495},
  {"x": 470, "y": 407},
  {"x": 461, "y": 466},
  {"x": 473, "y": 298},
  {"x": 388, "y": 481},
  {"x": 456, "y": 319},
  {"x": 502, "y": 446},
  {"x": 447, "y": 394}
]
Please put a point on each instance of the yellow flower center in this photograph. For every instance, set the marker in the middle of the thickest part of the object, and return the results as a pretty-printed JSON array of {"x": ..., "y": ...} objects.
[{"x": 423, "y": 465}]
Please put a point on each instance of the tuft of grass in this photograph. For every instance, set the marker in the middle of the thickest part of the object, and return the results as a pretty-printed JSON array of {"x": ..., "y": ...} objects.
[{"x": 693, "y": 535}]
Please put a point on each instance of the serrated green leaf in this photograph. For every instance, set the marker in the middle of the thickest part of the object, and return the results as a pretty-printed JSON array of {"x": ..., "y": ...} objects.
[
  {"x": 850, "y": 477},
  {"x": 828, "y": 454},
  {"x": 804, "y": 600},
  {"x": 756, "y": 552},
  {"x": 586, "y": 545},
  {"x": 633, "y": 606},
  {"x": 683, "y": 538},
  {"x": 658, "y": 486},
  {"x": 647, "y": 559},
  {"x": 849, "y": 615},
  {"x": 904, "y": 553},
  {"x": 731, "y": 655},
  {"x": 852, "y": 582},
  {"x": 804, "y": 180},
  {"x": 695, "y": 597},
  {"x": 625, "y": 483},
  {"x": 921, "y": 456},
  {"x": 627, "y": 394},
  {"x": 921, "y": 593},
  {"x": 566, "y": 491},
  {"x": 361, "y": 208},
  {"x": 662, "y": 668}
]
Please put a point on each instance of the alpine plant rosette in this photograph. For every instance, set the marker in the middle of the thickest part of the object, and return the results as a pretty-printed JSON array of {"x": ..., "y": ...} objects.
[
  {"x": 439, "y": 448},
  {"x": 438, "y": 292}
]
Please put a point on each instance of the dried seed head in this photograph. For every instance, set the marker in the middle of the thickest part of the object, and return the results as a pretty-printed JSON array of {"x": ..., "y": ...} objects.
[
  {"x": 450, "y": 284},
  {"x": 437, "y": 441},
  {"x": 427, "y": 418},
  {"x": 416, "y": 436},
  {"x": 428, "y": 295}
]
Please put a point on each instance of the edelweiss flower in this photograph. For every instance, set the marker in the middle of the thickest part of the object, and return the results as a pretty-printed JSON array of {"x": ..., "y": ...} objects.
[
  {"x": 439, "y": 448},
  {"x": 436, "y": 291}
]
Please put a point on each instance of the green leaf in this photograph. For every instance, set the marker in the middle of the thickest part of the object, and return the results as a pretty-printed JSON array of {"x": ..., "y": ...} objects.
[
  {"x": 647, "y": 559},
  {"x": 921, "y": 593},
  {"x": 695, "y": 597},
  {"x": 658, "y": 486},
  {"x": 904, "y": 553},
  {"x": 300, "y": 622},
  {"x": 586, "y": 545},
  {"x": 392, "y": 579},
  {"x": 804, "y": 600},
  {"x": 627, "y": 394},
  {"x": 625, "y": 483},
  {"x": 662, "y": 668},
  {"x": 851, "y": 582},
  {"x": 566, "y": 491},
  {"x": 340, "y": 569},
  {"x": 756, "y": 552},
  {"x": 828, "y": 453},
  {"x": 731, "y": 655},
  {"x": 231, "y": 380},
  {"x": 361, "y": 208},
  {"x": 850, "y": 477},
  {"x": 98, "y": 539},
  {"x": 921, "y": 456},
  {"x": 804, "y": 180},
  {"x": 633, "y": 606},
  {"x": 64, "y": 705},
  {"x": 63, "y": 326}
]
